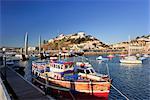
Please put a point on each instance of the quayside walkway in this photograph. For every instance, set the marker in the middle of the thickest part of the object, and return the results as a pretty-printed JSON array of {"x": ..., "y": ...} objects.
[{"x": 23, "y": 89}]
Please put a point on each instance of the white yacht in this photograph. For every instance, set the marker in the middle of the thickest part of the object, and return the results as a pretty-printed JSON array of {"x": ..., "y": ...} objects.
[{"x": 130, "y": 59}]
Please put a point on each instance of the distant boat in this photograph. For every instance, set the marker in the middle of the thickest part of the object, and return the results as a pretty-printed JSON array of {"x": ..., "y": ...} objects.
[
  {"x": 144, "y": 57},
  {"x": 100, "y": 58},
  {"x": 130, "y": 59},
  {"x": 110, "y": 56},
  {"x": 18, "y": 56},
  {"x": 122, "y": 55},
  {"x": 79, "y": 53}
]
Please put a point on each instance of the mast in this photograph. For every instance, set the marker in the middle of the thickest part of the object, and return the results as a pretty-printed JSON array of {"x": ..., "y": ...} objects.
[
  {"x": 39, "y": 44},
  {"x": 129, "y": 52},
  {"x": 26, "y": 43}
]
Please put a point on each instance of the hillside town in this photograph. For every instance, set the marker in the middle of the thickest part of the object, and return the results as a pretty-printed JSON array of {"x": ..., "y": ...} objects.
[
  {"x": 137, "y": 45},
  {"x": 75, "y": 41},
  {"x": 81, "y": 41}
]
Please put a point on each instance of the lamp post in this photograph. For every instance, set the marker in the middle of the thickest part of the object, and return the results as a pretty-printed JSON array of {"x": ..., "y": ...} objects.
[{"x": 4, "y": 57}]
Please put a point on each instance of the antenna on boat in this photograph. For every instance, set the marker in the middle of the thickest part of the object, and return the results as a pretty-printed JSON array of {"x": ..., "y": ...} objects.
[
  {"x": 59, "y": 55},
  {"x": 39, "y": 44},
  {"x": 107, "y": 70},
  {"x": 129, "y": 46}
]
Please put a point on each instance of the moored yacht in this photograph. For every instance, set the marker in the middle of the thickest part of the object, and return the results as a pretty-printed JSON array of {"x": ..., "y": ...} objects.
[{"x": 130, "y": 59}]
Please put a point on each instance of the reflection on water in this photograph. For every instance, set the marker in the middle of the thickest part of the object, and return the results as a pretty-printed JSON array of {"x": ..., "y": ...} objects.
[{"x": 132, "y": 80}]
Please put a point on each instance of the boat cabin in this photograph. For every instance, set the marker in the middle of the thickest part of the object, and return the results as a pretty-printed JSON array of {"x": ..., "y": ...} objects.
[
  {"x": 40, "y": 66},
  {"x": 61, "y": 66},
  {"x": 86, "y": 70},
  {"x": 60, "y": 69}
]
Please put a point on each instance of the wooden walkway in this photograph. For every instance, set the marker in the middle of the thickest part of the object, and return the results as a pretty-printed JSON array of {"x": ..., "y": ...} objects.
[{"x": 23, "y": 89}]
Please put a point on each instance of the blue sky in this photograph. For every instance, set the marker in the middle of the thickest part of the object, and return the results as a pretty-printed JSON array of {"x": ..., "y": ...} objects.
[{"x": 111, "y": 21}]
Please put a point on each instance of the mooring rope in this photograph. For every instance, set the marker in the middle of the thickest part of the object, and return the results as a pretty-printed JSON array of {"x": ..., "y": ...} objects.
[
  {"x": 119, "y": 92},
  {"x": 72, "y": 95},
  {"x": 114, "y": 86},
  {"x": 107, "y": 70}
]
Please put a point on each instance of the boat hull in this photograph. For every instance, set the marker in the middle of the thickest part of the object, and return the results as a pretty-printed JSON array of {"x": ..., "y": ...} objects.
[
  {"x": 74, "y": 90},
  {"x": 131, "y": 62}
]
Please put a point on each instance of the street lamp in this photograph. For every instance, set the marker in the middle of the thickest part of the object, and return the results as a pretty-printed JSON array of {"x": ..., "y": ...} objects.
[{"x": 4, "y": 56}]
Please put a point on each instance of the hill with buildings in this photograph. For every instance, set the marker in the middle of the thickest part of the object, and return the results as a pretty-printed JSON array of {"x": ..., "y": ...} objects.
[
  {"x": 139, "y": 44},
  {"x": 75, "y": 41}
]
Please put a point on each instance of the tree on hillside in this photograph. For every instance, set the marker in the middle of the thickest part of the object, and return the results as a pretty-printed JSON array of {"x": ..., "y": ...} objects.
[
  {"x": 94, "y": 44},
  {"x": 137, "y": 37}
]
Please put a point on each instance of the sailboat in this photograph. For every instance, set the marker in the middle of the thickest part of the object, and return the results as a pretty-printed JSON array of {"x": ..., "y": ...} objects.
[
  {"x": 25, "y": 55},
  {"x": 130, "y": 59}
]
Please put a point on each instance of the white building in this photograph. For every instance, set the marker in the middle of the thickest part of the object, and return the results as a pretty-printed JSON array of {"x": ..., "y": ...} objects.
[
  {"x": 81, "y": 34},
  {"x": 51, "y": 40},
  {"x": 61, "y": 36}
]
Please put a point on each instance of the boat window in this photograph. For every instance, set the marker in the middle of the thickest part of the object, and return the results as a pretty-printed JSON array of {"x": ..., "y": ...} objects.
[
  {"x": 91, "y": 70},
  {"x": 58, "y": 67},
  {"x": 66, "y": 66},
  {"x": 61, "y": 66},
  {"x": 80, "y": 71},
  {"x": 71, "y": 66},
  {"x": 47, "y": 69},
  {"x": 87, "y": 71}
]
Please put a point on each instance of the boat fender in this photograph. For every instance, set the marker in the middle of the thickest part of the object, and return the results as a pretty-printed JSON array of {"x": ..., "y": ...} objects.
[{"x": 82, "y": 65}]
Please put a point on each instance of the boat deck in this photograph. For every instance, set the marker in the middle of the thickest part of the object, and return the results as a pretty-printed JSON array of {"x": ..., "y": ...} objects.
[{"x": 23, "y": 89}]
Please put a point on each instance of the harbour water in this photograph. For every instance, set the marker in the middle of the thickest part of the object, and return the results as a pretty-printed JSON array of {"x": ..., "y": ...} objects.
[{"x": 132, "y": 80}]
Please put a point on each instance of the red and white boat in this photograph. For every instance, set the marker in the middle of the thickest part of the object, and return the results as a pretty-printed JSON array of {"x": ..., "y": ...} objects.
[
  {"x": 110, "y": 56},
  {"x": 72, "y": 80}
]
